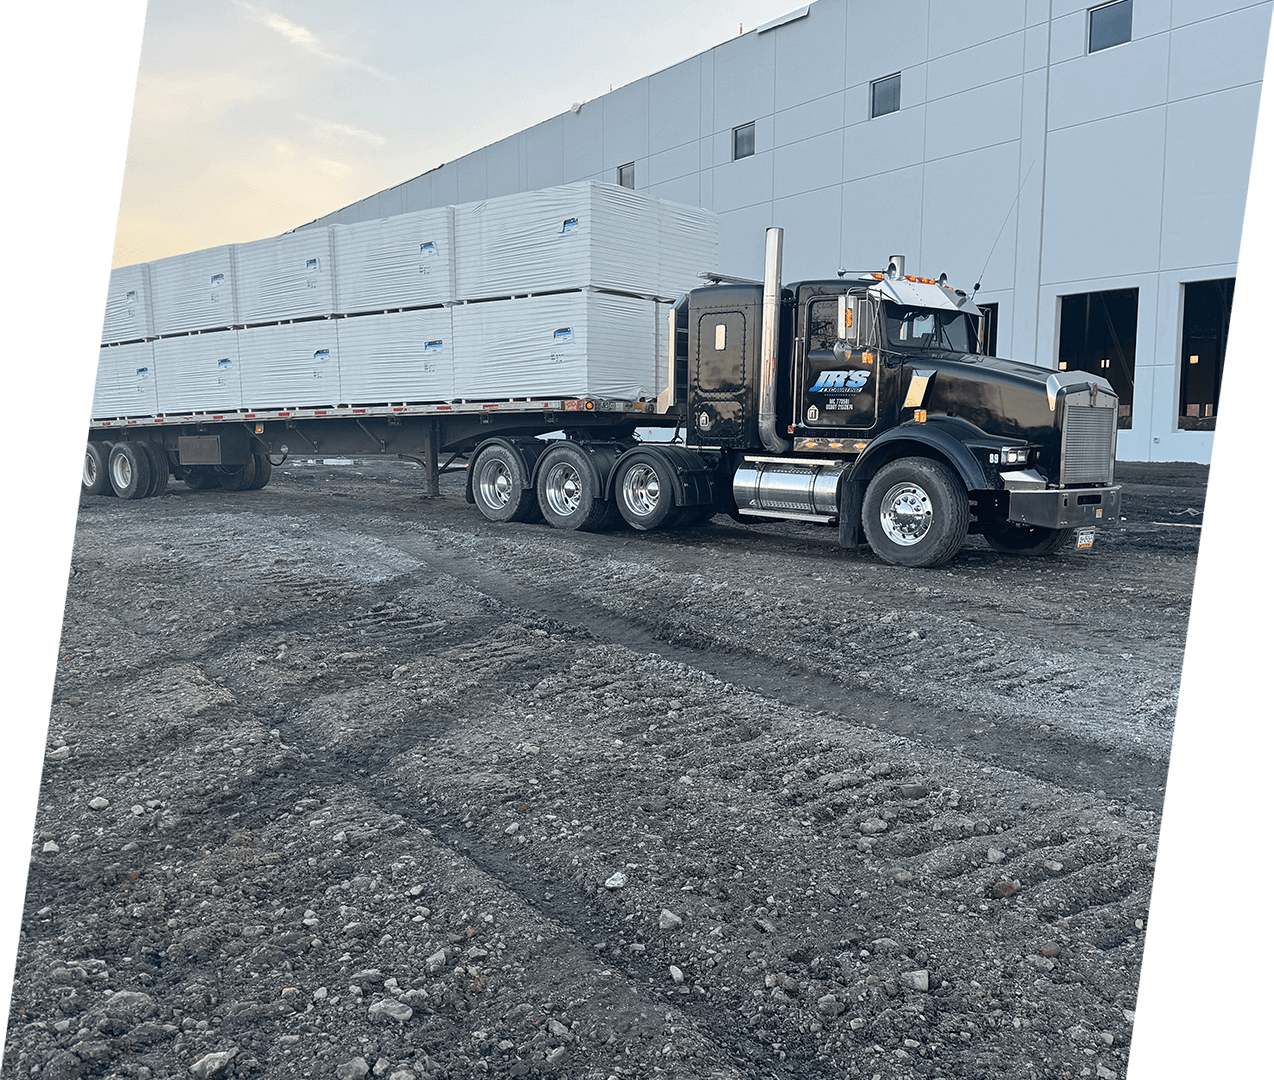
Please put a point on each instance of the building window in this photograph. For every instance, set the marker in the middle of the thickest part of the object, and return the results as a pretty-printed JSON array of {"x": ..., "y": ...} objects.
[
  {"x": 1205, "y": 326},
  {"x": 626, "y": 175},
  {"x": 1098, "y": 334},
  {"x": 886, "y": 95},
  {"x": 990, "y": 328},
  {"x": 744, "y": 140},
  {"x": 1109, "y": 25}
]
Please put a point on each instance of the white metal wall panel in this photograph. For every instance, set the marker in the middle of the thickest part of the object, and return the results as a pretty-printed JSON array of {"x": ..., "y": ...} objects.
[
  {"x": 564, "y": 345},
  {"x": 398, "y": 357},
  {"x": 128, "y": 307},
  {"x": 294, "y": 366},
  {"x": 198, "y": 372},
  {"x": 568, "y": 237},
  {"x": 285, "y": 277},
  {"x": 403, "y": 261},
  {"x": 125, "y": 381},
  {"x": 194, "y": 291}
]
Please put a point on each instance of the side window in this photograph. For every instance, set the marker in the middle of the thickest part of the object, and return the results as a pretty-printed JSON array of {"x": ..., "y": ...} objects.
[{"x": 822, "y": 324}]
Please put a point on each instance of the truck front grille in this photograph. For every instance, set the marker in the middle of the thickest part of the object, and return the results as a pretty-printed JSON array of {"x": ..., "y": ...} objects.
[{"x": 1088, "y": 443}]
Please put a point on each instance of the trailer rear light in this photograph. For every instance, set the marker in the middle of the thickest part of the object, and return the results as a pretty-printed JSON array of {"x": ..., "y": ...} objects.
[{"x": 260, "y": 428}]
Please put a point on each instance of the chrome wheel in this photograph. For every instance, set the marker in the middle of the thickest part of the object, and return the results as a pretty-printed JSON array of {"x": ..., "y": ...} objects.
[
  {"x": 640, "y": 490},
  {"x": 91, "y": 471},
  {"x": 906, "y": 514},
  {"x": 495, "y": 484},
  {"x": 563, "y": 489}
]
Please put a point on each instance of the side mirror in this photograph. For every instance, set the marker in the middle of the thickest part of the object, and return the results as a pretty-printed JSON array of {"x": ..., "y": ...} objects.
[{"x": 847, "y": 324}]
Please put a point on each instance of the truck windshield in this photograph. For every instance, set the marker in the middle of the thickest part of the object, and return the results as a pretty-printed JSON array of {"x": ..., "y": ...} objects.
[{"x": 927, "y": 328}]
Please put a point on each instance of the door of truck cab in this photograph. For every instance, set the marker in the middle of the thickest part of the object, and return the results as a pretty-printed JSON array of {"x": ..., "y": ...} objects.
[{"x": 842, "y": 387}]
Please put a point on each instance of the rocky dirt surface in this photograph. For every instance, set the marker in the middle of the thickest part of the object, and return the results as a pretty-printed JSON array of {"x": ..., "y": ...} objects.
[{"x": 341, "y": 782}]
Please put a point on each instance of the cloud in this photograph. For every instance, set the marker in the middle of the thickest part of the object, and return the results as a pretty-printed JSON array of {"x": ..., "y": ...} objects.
[
  {"x": 299, "y": 35},
  {"x": 332, "y": 129}
]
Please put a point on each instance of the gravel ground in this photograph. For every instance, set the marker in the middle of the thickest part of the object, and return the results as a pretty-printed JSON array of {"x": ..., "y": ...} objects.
[{"x": 341, "y": 781}]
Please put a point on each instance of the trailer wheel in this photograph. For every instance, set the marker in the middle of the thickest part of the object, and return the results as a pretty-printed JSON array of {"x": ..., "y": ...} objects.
[
  {"x": 915, "y": 512},
  {"x": 569, "y": 492},
  {"x": 644, "y": 494},
  {"x": 239, "y": 479},
  {"x": 500, "y": 487},
  {"x": 129, "y": 469},
  {"x": 158, "y": 469},
  {"x": 265, "y": 469},
  {"x": 200, "y": 478},
  {"x": 96, "y": 479},
  {"x": 1027, "y": 540}
]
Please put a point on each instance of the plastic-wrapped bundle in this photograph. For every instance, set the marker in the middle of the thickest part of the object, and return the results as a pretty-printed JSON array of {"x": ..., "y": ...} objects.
[
  {"x": 397, "y": 262},
  {"x": 194, "y": 291},
  {"x": 198, "y": 372},
  {"x": 125, "y": 381},
  {"x": 568, "y": 237},
  {"x": 689, "y": 245},
  {"x": 581, "y": 344},
  {"x": 285, "y": 277},
  {"x": 128, "y": 315},
  {"x": 399, "y": 357},
  {"x": 292, "y": 366}
]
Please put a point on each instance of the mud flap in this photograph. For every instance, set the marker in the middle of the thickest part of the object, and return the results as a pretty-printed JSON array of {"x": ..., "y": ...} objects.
[{"x": 850, "y": 513}]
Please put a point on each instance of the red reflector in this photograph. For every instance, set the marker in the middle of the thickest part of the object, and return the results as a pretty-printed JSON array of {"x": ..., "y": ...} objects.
[
  {"x": 283, "y": 414},
  {"x": 320, "y": 412},
  {"x": 444, "y": 408},
  {"x": 397, "y": 410},
  {"x": 493, "y": 405},
  {"x": 360, "y": 410},
  {"x": 218, "y": 417},
  {"x": 159, "y": 419},
  {"x": 132, "y": 421},
  {"x": 250, "y": 416}
]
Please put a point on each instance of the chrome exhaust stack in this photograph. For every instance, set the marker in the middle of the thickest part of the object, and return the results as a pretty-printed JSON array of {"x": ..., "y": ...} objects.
[{"x": 771, "y": 298}]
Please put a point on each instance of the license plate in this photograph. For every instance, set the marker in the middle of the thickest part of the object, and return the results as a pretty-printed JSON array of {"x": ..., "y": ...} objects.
[{"x": 1084, "y": 538}]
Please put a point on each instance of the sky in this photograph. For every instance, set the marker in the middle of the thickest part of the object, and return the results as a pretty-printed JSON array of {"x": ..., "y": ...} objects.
[{"x": 252, "y": 119}]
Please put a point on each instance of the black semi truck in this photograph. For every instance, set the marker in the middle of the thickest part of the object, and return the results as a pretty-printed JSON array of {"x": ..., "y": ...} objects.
[{"x": 864, "y": 402}]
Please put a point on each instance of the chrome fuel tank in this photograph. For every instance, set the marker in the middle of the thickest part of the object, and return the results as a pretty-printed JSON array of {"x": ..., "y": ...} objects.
[{"x": 783, "y": 487}]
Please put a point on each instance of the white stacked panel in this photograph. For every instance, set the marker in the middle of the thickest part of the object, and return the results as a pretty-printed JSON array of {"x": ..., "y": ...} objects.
[
  {"x": 292, "y": 366},
  {"x": 397, "y": 357},
  {"x": 689, "y": 245},
  {"x": 402, "y": 261},
  {"x": 125, "y": 381},
  {"x": 198, "y": 372},
  {"x": 581, "y": 344},
  {"x": 128, "y": 306},
  {"x": 194, "y": 291},
  {"x": 568, "y": 237},
  {"x": 285, "y": 277}
]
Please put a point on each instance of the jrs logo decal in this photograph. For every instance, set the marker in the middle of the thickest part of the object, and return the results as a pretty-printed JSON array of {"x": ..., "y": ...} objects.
[{"x": 847, "y": 382}]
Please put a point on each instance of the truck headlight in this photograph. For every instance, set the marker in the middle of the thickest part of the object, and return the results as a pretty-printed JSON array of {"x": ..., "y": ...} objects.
[{"x": 1014, "y": 455}]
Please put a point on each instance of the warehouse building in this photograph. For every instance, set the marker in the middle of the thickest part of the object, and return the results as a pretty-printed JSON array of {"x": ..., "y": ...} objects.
[{"x": 1088, "y": 165}]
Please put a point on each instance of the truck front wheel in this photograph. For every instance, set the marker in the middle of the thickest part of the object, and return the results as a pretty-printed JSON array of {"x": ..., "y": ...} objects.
[
  {"x": 915, "y": 512},
  {"x": 1027, "y": 540},
  {"x": 500, "y": 488}
]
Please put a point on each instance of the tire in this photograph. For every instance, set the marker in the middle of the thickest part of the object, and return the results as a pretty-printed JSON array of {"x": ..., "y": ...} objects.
[
  {"x": 501, "y": 488},
  {"x": 1028, "y": 540},
  {"x": 265, "y": 469},
  {"x": 158, "y": 469},
  {"x": 129, "y": 469},
  {"x": 239, "y": 479},
  {"x": 568, "y": 491},
  {"x": 644, "y": 493},
  {"x": 96, "y": 479},
  {"x": 915, "y": 512},
  {"x": 201, "y": 478}
]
